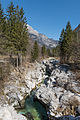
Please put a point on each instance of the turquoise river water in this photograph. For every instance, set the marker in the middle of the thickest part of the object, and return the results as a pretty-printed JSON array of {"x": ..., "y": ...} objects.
[{"x": 34, "y": 110}]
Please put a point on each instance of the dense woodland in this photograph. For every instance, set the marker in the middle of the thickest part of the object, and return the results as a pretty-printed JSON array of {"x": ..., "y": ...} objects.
[{"x": 16, "y": 44}]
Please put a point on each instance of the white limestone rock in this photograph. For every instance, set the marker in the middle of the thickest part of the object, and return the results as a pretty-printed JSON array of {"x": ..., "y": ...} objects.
[
  {"x": 8, "y": 113},
  {"x": 57, "y": 92}
]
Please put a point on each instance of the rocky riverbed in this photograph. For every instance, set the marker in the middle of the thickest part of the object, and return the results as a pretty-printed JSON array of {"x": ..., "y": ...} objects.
[
  {"x": 59, "y": 92},
  {"x": 8, "y": 113},
  {"x": 21, "y": 82},
  {"x": 19, "y": 85}
]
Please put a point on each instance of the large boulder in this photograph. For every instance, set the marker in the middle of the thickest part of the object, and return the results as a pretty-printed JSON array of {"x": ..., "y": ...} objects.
[{"x": 60, "y": 91}]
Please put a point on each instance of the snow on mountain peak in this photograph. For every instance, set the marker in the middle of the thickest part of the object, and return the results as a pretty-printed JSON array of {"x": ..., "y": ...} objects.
[
  {"x": 41, "y": 38},
  {"x": 32, "y": 31}
]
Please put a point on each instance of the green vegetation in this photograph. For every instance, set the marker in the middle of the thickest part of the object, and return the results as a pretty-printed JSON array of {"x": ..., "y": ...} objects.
[
  {"x": 56, "y": 51},
  {"x": 48, "y": 52},
  {"x": 14, "y": 38},
  {"x": 35, "y": 52},
  {"x": 2, "y": 20},
  {"x": 65, "y": 43},
  {"x": 69, "y": 45},
  {"x": 43, "y": 50},
  {"x": 16, "y": 30},
  {"x": 13, "y": 31}
]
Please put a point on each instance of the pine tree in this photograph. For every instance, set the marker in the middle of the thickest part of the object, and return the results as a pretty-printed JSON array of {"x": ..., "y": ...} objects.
[
  {"x": 43, "y": 50},
  {"x": 16, "y": 30},
  {"x": 75, "y": 48},
  {"x": 2, "y": 30},
  {"x": 68, "y": 41},
  {"x": 49, "y": 52},
  {"x": 10, "y": 31},
  {"x": 21, "y": 31},
  {"x": 17, "y": 37},
  {"x": 65, "y": 43},
  {"x": 53, "y": 52},
  {"x": 2, "y": 20},
  {"x": 35, "y": 52},
  {"x": 62, "y": 44}
]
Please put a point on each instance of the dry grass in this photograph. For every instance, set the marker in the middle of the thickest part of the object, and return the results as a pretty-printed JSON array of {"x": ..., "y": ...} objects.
[{"x": 4, "y": 71}]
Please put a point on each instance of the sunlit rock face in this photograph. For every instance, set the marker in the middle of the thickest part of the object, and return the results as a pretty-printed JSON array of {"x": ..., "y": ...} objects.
[
  {"x": 41, "y": 38},
  {"x": 21, "y": 82},
  {"x": 60, "y": 91},
  {"x": 8, "y": 113}
]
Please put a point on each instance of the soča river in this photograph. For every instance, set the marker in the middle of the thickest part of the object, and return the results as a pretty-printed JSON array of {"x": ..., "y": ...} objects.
[{"x": 34, "y": 110}]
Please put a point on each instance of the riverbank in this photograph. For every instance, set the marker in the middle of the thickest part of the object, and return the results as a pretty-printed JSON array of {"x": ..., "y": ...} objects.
[{"x": 20, "y": 83}]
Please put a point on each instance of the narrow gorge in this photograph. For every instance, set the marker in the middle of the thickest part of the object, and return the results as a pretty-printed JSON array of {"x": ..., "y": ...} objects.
[{"x": 55, "y": 92}]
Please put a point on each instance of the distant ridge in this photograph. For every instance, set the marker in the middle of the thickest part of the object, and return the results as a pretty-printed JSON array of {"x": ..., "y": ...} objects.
[
  {"x": 41, "y": 38},
  {"x": 77, "y": 28}
]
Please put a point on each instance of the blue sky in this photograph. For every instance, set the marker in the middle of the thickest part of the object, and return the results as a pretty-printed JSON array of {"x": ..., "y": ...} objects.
[{"x": 49, "y": 16}]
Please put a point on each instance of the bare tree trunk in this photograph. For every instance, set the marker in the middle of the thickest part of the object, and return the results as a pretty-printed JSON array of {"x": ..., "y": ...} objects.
[
  {"x": 20, "y": 59},
  {"x": 17, "y": 64}
]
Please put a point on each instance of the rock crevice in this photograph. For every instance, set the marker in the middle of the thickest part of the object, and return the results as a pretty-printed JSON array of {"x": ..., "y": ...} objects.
[{"x": 60, "y": 91}]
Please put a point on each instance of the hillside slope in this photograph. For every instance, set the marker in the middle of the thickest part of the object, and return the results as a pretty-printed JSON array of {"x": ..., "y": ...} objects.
[{"x": 41, "y": 38}]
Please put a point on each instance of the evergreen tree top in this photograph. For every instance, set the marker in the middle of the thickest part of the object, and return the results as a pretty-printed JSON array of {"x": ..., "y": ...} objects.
[{"x": 68, "y": 26}]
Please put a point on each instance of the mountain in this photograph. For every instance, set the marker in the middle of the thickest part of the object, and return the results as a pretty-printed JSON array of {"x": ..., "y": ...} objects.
[
  {"x": 41, "y": 38},
  {"x": 77, "y": 30}
]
